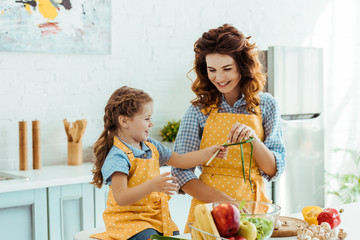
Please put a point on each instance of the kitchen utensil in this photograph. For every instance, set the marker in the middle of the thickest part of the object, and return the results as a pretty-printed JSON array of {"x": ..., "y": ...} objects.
[
  {"x": 75, "y": 131},
  {"x": 67, "y": 126},
  {"x": 83, "y": 127},
  {"x": 75, "y": 154}
]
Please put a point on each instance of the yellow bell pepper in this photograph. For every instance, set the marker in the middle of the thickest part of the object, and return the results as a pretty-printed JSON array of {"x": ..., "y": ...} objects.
[{"x": 310, "y": 214}]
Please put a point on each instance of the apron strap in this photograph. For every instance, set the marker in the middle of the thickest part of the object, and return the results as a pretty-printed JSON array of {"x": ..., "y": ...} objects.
[{"x": 119, "y": 144}]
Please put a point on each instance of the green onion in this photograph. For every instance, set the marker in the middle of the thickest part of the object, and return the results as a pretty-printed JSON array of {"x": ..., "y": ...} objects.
[
  {"x": 251, "y": 153},
  {"x": 242, "y": 161},
  {"x": 242, "y": 156}
]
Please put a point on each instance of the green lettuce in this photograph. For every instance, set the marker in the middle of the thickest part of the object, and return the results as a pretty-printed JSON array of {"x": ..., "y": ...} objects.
[{"x": 263, "y": 226}]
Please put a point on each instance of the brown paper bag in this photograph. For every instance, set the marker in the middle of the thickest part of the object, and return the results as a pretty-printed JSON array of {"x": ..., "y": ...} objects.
[{"x": 75, "y": 153}]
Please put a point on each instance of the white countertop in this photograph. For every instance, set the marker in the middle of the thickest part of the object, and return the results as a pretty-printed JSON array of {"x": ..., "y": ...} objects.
[
  {"x": 51, "y": 176},
  {"x": 48, "y": 176}
]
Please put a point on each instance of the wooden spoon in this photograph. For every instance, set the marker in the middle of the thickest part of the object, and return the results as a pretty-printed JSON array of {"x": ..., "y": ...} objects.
[
  {"x": 84, "y": 123},
  {"x": 72, "y": 132},
  {"x": 79, "y": 125},
  {"x": 66, "y": 126}
]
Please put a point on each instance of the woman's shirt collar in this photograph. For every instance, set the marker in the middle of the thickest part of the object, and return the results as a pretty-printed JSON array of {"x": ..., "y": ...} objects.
[{"x": 224, "y": 105}]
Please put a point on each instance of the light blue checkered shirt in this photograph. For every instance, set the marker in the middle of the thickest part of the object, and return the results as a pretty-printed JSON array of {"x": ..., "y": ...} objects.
[{"x": 192, "y": 125}]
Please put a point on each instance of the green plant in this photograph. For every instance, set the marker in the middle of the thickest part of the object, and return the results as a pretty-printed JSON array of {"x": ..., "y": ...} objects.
[
  {"x": 348, "y": 189},
  {"x": 169, "y": 131}
]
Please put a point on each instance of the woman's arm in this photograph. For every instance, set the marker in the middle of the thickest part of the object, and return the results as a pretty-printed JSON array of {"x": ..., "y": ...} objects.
[
  {"x": 126, "y": 196},
  {"x": 273, "y": 135},
  {"x": 270, "y": 155},
  {"x": 264, "y": 158}
]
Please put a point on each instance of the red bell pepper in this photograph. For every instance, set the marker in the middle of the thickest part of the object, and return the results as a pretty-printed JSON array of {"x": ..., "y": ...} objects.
[{"x": 331, "y": 216}]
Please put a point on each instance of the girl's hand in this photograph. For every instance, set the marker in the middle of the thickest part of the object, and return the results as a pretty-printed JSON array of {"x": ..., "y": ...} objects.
[
  {"x": 162, "y": 184},
  {"x": 240, "y": 132},
  {"x": 222, "y": 153}
]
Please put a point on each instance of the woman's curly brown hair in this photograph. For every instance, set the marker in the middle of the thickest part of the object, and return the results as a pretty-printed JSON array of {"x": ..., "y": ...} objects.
[
  {"x": 125, "y": 101},
  {"x": 229, "y": 41}
]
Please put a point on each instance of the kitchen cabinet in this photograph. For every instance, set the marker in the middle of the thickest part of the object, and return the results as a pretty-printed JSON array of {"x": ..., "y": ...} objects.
[
  {"x": 23, "y": 215},
  {"x": 71, "y": 209},
  {"x": 53, "y": 203},
  {"x": 55, "y": 213}
]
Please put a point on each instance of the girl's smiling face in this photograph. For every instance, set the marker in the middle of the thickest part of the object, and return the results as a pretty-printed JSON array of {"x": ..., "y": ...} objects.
[
  {"x": 223, "y": 72},
  {"x": 137, "y": 128}
]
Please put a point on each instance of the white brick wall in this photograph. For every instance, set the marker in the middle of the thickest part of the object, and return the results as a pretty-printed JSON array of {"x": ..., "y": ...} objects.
[{"x": 152, "y": 49}]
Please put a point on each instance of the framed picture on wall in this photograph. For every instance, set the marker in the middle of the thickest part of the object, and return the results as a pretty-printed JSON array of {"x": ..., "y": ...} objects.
[{"x": 56, "y": 26}]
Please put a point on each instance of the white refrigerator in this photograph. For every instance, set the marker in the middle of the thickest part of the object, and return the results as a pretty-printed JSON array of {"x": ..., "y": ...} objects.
[{"x": 295, "y": 79}]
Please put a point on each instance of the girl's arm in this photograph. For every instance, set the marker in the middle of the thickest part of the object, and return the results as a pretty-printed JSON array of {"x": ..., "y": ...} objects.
[
  {"x": 126, "y": 196},
  {"x": 193, "y": 159}
]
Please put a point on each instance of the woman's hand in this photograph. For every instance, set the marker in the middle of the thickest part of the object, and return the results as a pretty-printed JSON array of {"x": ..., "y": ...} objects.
[
  {"x": 223, "y": 151},
  {"x": 240, "y": 132},
  {"x": 162, "y": 184}
]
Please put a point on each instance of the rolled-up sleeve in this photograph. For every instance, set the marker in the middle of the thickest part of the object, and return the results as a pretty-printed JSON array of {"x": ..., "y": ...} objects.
[
  {"x": 115, "y": 161},
  {"x": 187, "y": 140},
  {"x": 273, "y": 134}
]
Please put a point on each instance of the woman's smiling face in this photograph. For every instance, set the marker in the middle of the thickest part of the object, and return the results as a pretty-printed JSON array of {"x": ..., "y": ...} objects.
[{"x": 223, "y": 72}]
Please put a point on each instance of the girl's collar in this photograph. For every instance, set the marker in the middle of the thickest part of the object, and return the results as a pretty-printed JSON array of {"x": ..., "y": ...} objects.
[{"x": 136, "y": 151}]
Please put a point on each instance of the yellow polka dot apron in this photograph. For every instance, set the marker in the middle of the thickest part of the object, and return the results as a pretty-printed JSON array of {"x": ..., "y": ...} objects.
[
  {"x": 226, "y": 175},
  {"x": 122, "y": 222}
]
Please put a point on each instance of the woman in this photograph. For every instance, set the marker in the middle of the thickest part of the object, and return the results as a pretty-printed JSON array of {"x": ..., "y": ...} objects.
[{"x": 229, "y": 106}]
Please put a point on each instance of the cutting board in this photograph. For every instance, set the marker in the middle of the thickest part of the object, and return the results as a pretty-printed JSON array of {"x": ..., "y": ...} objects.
[{"x": 289, "y": 227}]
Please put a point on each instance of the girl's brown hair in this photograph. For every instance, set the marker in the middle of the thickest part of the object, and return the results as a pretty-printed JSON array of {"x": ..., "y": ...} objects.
[
  {"x": 229, "y": 41},
  {"x": 127, "y": 102}
]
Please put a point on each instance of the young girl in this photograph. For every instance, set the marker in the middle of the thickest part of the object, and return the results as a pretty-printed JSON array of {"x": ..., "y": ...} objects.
[{"x": 128, "y": 161}]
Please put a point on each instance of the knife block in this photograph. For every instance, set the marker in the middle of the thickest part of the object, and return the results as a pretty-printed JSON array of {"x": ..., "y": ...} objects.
[{"x": 75, "y": 153}]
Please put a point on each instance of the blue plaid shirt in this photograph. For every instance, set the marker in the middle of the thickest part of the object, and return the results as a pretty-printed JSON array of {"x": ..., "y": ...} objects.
[{"x": 192, "y": 125}]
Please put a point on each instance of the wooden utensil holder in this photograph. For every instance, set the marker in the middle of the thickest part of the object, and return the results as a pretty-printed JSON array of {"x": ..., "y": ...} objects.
[{"x": 75, "y": 153}]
